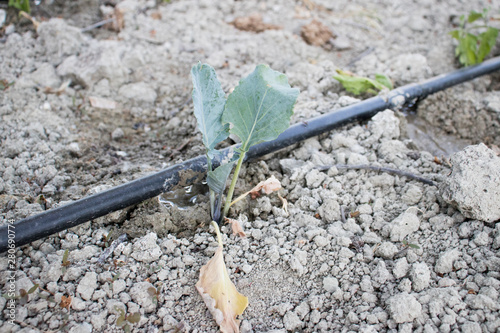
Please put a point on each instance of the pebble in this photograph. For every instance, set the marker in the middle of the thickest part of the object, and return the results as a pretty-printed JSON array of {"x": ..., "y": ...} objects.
[
  {"x": 474, "y": 183},
  {"x": 400, "y": 268},
  {"x": 404, "y": 225},
  {"x": 330, "y": 284},
  {"x": 386, "y": 250},
  {"x": 141, "y": 295},
  {"x": 444, "y": 264},
  {"x": 404, "y": 308},
  {"x": 420, "y": 276},
  {"x": 87, "y": 285},
  {"x": 117, "y": 134},
  {"x": 139, "y": 92},
  {"x": 292, "y": 321},
  {"x": 146, "y": 249}
]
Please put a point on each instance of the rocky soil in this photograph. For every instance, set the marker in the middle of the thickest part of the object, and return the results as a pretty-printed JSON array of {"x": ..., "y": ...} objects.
[{"x": 356, "y": 250}]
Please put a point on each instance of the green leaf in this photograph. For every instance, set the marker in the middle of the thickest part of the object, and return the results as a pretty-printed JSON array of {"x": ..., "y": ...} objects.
[
  {"x": 358, "y": 84},
  {"x": 209, "y": 100},
  {"x": 466, "y": 49},
  {"x": 260, "y": 107},
  {"x": 23, "y": 5},
  {"x": 33, "y": 289},
  {"x": 487, "y": 41},
  {"x": 455, "y": 34},
  {"x": 120, "y": 321},
  {"x": 414, "y": 246},
  {"x": 474, "y": 16},
  {"x": 134, "y": 318},
  {"x": 384, "y": 80},
  {"x": 65, "y": 256}
]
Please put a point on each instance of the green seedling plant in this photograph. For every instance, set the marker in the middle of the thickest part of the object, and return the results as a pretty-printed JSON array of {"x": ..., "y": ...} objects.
[
  {"x": 258, "y": 110},
  {"x": 65, "y": 262},
  {"x": 475, "y": 41},
  {"x": 22, "y": 5},
  {"x": 359, "y": 84},
  {"x": 124, "y": 320}
]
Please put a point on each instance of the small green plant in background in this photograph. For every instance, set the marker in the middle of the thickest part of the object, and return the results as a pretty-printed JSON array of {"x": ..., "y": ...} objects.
[
  {"x": 65, "y": 262},
  {"x": 407, "y": 245},
  {"x": 22, "y": 5},
  {"x": 474, "y": 41},
  {"x": 359, "y": 84},
  {"x": 124, "y": 320}
]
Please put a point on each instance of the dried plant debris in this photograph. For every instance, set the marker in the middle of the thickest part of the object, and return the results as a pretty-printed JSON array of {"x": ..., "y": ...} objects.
[
  {"x": 236, "y": 227},
  {"x": 219, "y": 293},
  {"x": 317, "y": 34},
  {"x": 253, "y": 23}
]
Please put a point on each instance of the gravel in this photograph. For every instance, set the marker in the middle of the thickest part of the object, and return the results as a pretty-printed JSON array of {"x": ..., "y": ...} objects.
[{"x": 355, "y": 250}]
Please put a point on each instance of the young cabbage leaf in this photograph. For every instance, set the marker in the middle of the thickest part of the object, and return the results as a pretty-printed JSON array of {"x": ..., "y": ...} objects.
[
  {"x": 209, "y": 100},
  {"x": 260, "y": 107}
]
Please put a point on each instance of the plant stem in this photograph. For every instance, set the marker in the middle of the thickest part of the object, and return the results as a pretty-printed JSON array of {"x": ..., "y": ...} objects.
[
  {"x": 217, "y": 232},
  {"x": 233, "y": 184}
]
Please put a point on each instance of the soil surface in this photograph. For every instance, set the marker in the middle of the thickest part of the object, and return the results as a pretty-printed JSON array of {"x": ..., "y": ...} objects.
[{"x": 85, "y": 109}]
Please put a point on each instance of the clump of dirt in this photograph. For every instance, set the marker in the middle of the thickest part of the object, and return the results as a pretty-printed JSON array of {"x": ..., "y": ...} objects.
[
  {"x": 253, "y": 23},
  {"x": 316, "y": 33}
]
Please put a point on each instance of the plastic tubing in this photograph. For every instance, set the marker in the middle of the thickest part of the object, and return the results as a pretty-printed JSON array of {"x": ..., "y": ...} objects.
[{"x": 191, "y": 171}]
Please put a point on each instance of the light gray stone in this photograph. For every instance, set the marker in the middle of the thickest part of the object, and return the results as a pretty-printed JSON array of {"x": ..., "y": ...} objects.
[
  {"x": 470, "y": 327},
  {"x": 139, "y": 92},
  {"x": 292, "y": 321},
  {"x": 45, "y": 76},
  {"x": 140, "y": 295},
  {"x": 404, "y": 225},
  {"x": 146, "y": 249},
  {"x": 420, "y": 276},
  {"x": 87, "y": 285},
  {"x": 330, "y": 210},
  {"x": 117, "y": 134},
  {"x": 81, "y": 328},
  {"x": 444, "y": 264},
  {"x": 384, "y": 125},
  {"x": 474, "y": 184},
  {"x": 77, "y": 304},
  {"x": 330, "y": 284},
  {"x": 100, "y": 61},
  {"x": 119, "y": 286},
  {"x": 403, "y": 308},
  {"x": 386, "y": 250},
  {"x": 400, "y": 268}
]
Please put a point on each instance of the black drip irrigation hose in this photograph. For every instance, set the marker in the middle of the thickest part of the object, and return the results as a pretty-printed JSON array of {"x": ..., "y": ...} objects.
[{"x": 191, "y": 171}]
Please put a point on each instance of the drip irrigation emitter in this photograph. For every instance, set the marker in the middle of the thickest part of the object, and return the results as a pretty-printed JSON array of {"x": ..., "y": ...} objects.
[{"x": 191, "y": 171}]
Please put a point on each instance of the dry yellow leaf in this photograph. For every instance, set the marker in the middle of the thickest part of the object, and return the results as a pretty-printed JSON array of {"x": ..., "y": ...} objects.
[
  {"x": 220, "y": 294},
  {"x": 267, "y": 186},
  {"x": 236, "y": 227}
]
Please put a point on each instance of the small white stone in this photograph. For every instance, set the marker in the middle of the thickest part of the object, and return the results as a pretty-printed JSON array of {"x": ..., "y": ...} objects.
[
  {"x": 87, "y": 285},
  {"x": 404, "y": 308},
  {"x": 117, "y": 134},
  {"x": 292, "y": 321},
  {"x": 400, "y": 268},
  {"x": 420, "y": 276},
  {"x": 330, "y": 283},
  {"x": 246, "y": 268},
  {"x": 445, "y": 262}
]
